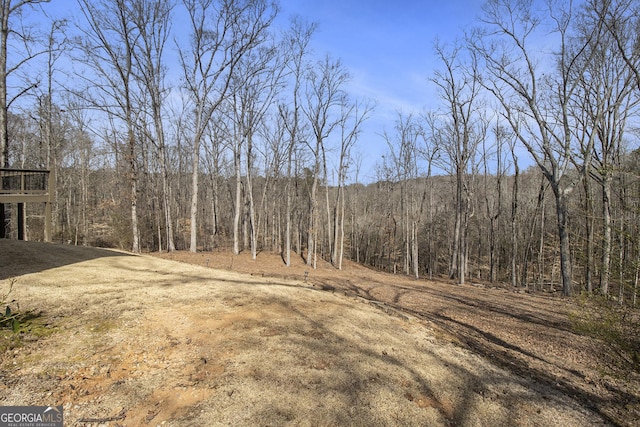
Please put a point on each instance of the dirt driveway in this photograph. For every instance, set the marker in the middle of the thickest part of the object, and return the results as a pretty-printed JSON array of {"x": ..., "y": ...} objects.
[{"x": 139, "y": 340}]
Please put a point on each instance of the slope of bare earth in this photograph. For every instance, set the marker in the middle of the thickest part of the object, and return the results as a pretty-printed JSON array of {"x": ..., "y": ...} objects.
[{"x": 139, "y": 340}]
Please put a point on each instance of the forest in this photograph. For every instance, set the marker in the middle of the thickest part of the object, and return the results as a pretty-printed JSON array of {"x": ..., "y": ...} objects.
[{"x": 241, "y": 138}]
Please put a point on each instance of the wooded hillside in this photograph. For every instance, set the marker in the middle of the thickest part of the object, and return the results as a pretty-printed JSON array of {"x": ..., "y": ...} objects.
[{"x": 527, "y": 172}]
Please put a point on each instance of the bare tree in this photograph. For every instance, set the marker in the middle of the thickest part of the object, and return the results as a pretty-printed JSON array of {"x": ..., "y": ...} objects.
[
  {"x": 403, "y": 151},
  {"x": 298, "y": 38},
  {"x": 274, "y": 154},
  {"x": 604, "y": 102},
  {"x": 352, "y": 116},
  {"x": 214, "y": 160},
  {"x": 222, "y": 32},
  {"x": 622, "y": 21},
  {"x": 21, "y": 53},
  {"x": 108, "y": 48},
  {"x": 258, "y": 79},
  {"x": 430, "y": 152},
  {"x": 465, "y": 128},
  {"x": 493, "y": 205},
  {"x": 325, "y": 93},
  {"x": 50, "y": 115},
  {"x": 152, "y": 19},
  {"x": 79, "y": 157},
  {"x": 9, "y": 66},
  {"x": 536, "y": 95},
  {"x": 123, "y": 45},
  {"x": 514, "y": 214}
]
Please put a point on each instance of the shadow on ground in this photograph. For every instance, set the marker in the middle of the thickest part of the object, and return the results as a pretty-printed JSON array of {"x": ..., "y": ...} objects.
[
  {"x": 530, "y": 342},
  {"x": 19, "y": 257}
]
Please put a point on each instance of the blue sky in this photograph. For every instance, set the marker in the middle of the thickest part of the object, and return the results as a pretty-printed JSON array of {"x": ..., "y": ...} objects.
[{"x": 387, "y": 47}]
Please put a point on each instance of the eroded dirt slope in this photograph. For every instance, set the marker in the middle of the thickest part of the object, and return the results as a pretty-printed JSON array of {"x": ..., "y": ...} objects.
[{"x": 138, "y": 340}]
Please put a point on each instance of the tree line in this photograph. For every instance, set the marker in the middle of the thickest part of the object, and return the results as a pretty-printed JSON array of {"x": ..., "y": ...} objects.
[{"x": 231, "y": 133}]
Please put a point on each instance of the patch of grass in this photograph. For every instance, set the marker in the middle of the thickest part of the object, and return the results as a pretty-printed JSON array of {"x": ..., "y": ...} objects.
[
  {"x": 9, "y": 341},
  {"x": 615, "y": 325},
  {"x": 102, "y": 326},
  {"x": 16, "y": 325},
  {"x": 35, "y": 326},
  {"x": 32, "y": 326}
]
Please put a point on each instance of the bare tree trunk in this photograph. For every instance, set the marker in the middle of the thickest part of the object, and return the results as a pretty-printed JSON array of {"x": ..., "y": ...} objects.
[
  {"x": 287, "y": 244},
  {"x": 541, "y": 263},
  {"x": 253, "y": 238},
  {"x": 338, "y": 215},
  {"x": 263, "y": 215},
  {"x": 194, "y": 197},
  {"x": 432, "y": 255},
  {"x": 252, "y": 216},
  {"x": 606, "y": 237},
  {"x": 312, "y": 230},
  {"x": 215, "y": 202},
  {"x": 329, "y": 233},
  {"x": 621, "y": 262},
  {"x": 464, "y": 244},
  {"x": 514, "y": 219},
  {"x": 589, "y": 226},
  {"x": 636, "y": 280},
  {"x": 414, "y": 246},
  {"x": 135, "y": 230},
  {"x": 456, "y": 256},
  {"x": 238, "y": 194},
  {"x": 341, "y": 253},
  {"x": 4, "y": 107},
  {"x": 563, "y": 233},
  {"x": 491, "y": 214},
  {"x": 406, "y": 226}
]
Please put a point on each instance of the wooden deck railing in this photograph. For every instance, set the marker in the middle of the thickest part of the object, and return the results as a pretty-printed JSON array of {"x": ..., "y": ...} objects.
[{"x": 27, "y": 186}]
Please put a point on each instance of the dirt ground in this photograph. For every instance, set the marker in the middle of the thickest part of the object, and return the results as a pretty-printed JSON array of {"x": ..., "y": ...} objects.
[{"x": 211, "y": 339}]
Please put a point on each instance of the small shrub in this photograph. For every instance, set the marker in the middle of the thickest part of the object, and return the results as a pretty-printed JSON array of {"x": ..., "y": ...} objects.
[{"x": 9, "y": 317}]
